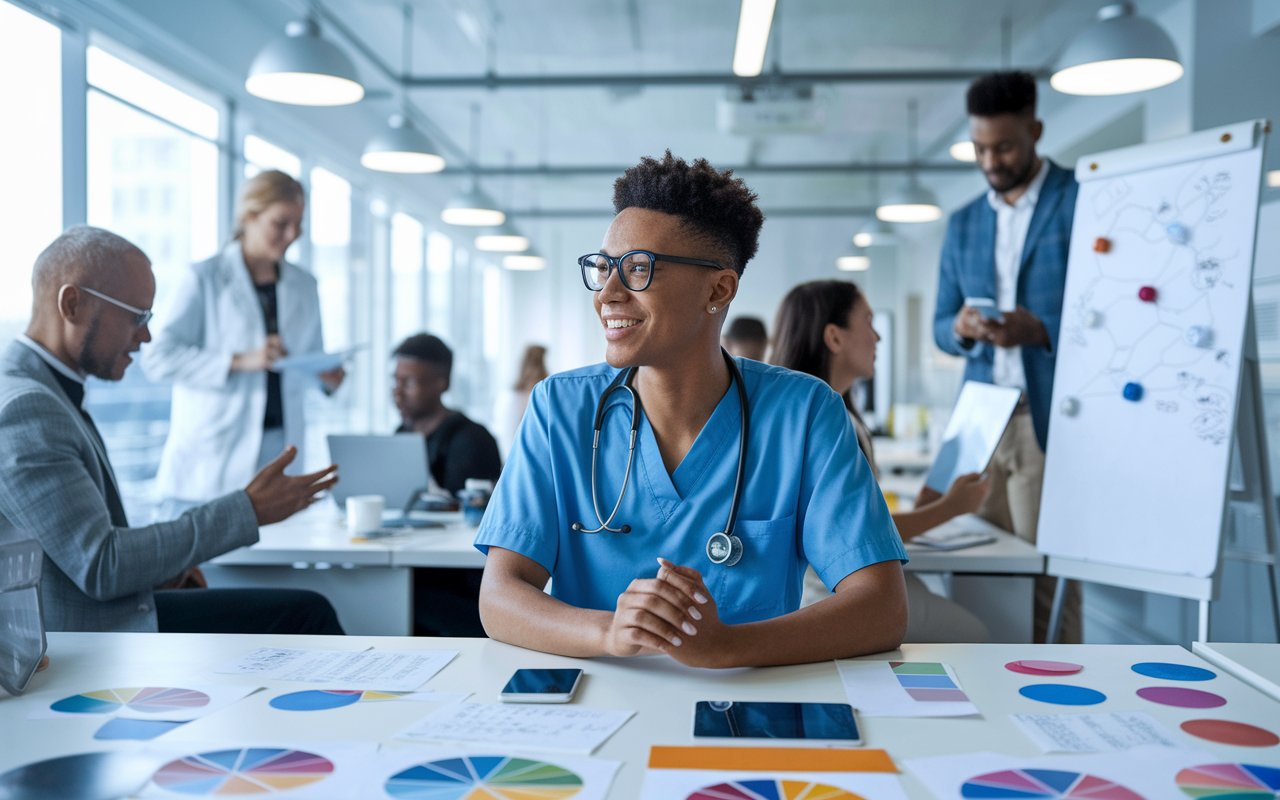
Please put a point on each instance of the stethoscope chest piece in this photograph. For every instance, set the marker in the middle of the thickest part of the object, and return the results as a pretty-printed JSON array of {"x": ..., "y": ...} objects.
[{"x": 723, "y": 548}]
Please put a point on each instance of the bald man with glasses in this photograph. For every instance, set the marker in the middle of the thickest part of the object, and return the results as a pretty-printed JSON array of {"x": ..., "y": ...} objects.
[{"x": 92, "y": 294}]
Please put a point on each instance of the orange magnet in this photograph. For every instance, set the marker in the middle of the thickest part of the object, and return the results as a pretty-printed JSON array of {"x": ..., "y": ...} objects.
[{"x": 1102, "y": 245}]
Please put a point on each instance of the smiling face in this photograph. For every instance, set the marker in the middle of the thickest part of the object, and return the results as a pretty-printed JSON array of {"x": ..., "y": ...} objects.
[
  {"x": 267, "y": 235},
  {"x": 671, "y": 319},
  {"x": 852, "y": 346}
]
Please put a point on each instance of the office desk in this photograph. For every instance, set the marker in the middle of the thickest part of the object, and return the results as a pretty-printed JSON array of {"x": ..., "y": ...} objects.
[
  {"x": 662, "y": 691},
  {"x": 1256, "y": 664}
]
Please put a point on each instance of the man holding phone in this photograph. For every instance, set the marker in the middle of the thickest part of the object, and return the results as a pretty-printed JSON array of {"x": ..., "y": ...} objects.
[{"x": 1010, "y": 246}]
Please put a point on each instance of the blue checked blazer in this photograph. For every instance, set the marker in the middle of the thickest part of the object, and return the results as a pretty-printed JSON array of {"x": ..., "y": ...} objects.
[{"x": 968, "y": 270}]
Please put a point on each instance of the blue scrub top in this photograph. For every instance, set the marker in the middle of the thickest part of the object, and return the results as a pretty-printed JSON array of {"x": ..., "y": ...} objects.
[{"x": 809, "y": 495}]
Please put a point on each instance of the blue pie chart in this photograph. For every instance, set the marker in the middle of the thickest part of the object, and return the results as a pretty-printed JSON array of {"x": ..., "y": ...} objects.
[
  {"x": 1172, "y": 672},
  {"x": 1061, "y": 694}
]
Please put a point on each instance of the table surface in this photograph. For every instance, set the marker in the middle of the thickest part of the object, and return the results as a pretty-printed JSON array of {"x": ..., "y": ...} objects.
[
  {"x": 661, "y": 690},
  {"x": 317, "y": 535},
  {"x": 1256, "y": 664}
]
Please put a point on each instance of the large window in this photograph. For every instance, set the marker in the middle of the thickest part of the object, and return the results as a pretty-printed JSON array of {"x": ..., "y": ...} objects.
[
  {"x": 30, "y": 156},
  {"x": 259, "y": 154},
  {"x": 406, "y": 277},
  {"x": 439, "y": 285},
  {"x": 152, "y": 178}
]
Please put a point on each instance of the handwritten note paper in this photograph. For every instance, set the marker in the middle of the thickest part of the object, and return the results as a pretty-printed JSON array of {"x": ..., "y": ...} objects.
[
  {"x": 1093, "y": 733},
  {"x": 343, "y": 669},
  {"x": 558, "y": 729}
]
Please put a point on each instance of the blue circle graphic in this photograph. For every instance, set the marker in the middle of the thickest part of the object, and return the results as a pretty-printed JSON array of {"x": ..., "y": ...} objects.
[
  {"x": 1173, "y": 672},
  {"x": 1062, "y": 695}
]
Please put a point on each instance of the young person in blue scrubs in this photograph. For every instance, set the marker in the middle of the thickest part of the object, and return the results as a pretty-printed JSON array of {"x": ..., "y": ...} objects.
[{"x": 809, "y": 496}]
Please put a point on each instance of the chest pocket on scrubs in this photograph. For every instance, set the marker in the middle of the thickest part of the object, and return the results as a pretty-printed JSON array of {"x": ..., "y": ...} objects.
[{"x": 758, "y": 583}]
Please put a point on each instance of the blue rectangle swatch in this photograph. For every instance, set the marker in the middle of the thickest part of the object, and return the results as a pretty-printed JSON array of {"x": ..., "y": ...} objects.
[{"x": 926, "y": 682}]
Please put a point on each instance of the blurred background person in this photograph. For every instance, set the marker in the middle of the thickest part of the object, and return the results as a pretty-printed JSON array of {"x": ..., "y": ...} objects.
[
  {"x": 824, "y": 329},
  {"x": 746, "y": 338},
  {"x": 509, "y": 409},
  {"x": 232, "y": 317}
]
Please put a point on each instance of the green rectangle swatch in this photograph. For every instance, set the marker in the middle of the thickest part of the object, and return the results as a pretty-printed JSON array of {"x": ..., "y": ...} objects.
[{"x": 919, "y": 668}]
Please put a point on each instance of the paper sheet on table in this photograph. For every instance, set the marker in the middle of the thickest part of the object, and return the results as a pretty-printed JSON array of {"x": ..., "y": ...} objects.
[
  {"x": 561, "y": 729},
  {"x": 171, "y": 701},
  {"x": 300, "y": 770},
  {"x": 740, "y": 772},
  {"x": 1093, "y": 733},
  {"x": 1148, "y": 770},
  {"x": 329, "y": 699},
  {"x": 343, "y": 669},
  {"x": 904, "y": 689},
  {"x": 315, "y": 362},
  {"x": 436, "y": 768}
]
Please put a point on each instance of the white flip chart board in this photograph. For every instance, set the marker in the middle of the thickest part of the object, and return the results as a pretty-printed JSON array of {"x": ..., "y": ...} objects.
[{"x": 1141, "y": 481}]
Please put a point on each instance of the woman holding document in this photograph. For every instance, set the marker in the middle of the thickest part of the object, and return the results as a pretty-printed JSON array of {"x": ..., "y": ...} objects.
[
  {"x": 824, "y": 329},
  {"x": 231, "y": 319}
]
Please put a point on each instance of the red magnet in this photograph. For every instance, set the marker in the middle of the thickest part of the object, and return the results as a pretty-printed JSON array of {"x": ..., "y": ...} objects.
[
  {"x": 1102, "y": 245},
  {"x": 1147, "y": 294}
]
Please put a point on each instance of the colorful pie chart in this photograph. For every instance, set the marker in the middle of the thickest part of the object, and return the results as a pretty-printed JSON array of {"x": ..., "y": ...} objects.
[
  {"x": 772, "y": 789},
  {"x": 1044, "y": 783},
  {"x": 1043, "y": 667},
  {"x": 484, "y": 778},
  {"x": 323, "y": 699},
  {"x": 1230, "y": 781},
  {"x": 148, "y": 700},
  {"x": 249, "y": 770}
]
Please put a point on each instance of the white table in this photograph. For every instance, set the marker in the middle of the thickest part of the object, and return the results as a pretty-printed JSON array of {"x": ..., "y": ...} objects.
[
  {"x": 1256, "y": 664},
  {"x": 662, "y": 691}
]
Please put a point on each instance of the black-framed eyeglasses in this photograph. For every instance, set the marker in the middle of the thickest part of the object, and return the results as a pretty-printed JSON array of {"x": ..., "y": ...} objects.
[
  {"x": 634, "y": 268},
  {"x": 140, "y": 316}
]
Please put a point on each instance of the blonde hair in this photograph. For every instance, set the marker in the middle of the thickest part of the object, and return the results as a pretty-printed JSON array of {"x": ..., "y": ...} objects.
[
  {"x": 532, "y": 369},
  {"x": 261, "y": 192}
]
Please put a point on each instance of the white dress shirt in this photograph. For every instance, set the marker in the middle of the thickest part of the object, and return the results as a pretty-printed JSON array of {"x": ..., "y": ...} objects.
[{"x": 1012, "y": 222}]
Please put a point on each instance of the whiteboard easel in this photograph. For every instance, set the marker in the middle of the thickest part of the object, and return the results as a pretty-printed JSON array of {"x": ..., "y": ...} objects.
[{"x": 1138, "y": 491}]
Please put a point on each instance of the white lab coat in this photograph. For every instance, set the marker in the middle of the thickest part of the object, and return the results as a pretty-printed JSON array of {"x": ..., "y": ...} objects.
[{"x": 215, "y": 429}]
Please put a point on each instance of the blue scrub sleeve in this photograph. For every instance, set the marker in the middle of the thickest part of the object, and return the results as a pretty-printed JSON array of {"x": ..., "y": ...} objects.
[
  {"x": 523, "y": 513},
  {"x": 846, "y": 524}
]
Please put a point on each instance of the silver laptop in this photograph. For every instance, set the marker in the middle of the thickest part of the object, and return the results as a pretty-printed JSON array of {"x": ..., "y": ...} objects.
[{"x": 393, "y": 466}]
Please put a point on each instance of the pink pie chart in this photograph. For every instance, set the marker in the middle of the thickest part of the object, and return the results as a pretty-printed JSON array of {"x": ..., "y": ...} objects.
[
  {"x": 1181, "y": 697},
  {"x": 1043, "y": 667}
]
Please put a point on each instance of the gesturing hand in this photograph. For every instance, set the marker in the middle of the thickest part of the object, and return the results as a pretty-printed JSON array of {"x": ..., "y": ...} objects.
[
  {"x": 968, "y": 324},
  {"x": 710, "y": 647},
  {"x": 656, "y": 615},
  {"x": 1020, "y": 327},
  {"x": 276, "y": 496},
  {"x": 262, "y": 358},
  {"x": 967, "y": 493}
]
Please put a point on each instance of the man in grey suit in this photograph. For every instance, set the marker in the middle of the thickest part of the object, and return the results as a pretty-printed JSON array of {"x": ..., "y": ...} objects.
[{"x": 92, "y": 292}]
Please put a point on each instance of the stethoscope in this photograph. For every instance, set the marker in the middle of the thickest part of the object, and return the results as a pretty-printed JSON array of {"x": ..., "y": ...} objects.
[{"x": 723, "y": 547}]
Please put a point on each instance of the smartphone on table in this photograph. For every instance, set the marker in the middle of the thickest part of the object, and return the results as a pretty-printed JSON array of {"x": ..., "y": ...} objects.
[
  {"x": 986, "y": 307},
  {"x": 823, "y": 724},
  {"x": 541, "y": 686}
]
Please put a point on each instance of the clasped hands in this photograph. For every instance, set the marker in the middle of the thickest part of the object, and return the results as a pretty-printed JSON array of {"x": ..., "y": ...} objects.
[
  {"x": 673, "y": 613},
  {"x": 1020, "y": 327}
]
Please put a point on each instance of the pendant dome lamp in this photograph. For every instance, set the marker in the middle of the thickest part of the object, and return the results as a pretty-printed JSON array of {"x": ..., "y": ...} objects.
[
  {"x": 504, "y": 238},
  {"x": 962, "y": 148},
  {"x": 303, "y": 69},
  {"x": 913, "y": 202},
  {"x": 473, "y": 206},
  {"x": 855, "y": 261},
  {"x": 401, "y": 147},
  {"x": 528, "y": 261},
  {"x": 1120, "y": 53},
  {"x": 875, "y": 233}
]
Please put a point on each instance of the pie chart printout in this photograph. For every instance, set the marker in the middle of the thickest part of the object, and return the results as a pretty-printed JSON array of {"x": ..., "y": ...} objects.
[
  {"x": 1230, "y": 782},
  {"x": 1043, "y": 667},
  {"x": 1045, "y": 783},
  {"x": 484, "y": 778},
  {"x": 249, "y": 770},
  {"x": 771, "y": 789},
  {"x": 148, "y": 700},
  {"x": 324, "y": 699}
]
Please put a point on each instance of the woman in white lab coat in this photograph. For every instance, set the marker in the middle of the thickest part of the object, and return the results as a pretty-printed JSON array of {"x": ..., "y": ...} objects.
[{"x": 231, "y": 318}]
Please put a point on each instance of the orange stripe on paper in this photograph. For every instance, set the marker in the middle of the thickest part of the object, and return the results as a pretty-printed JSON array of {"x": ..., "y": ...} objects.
[{"x": 778, "y": 759}]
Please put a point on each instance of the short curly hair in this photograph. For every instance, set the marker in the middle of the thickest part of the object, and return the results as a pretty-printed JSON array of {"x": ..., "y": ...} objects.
[
  {"x": 996, "y": 93},
  {"x": 712, "y": 204}
]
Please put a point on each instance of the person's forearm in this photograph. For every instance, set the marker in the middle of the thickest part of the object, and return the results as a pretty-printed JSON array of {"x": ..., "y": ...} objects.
[
  {"x": 519, "y": 613},
  {"x": 867, "y": 614},
  {"x": 918, "y": 520}
]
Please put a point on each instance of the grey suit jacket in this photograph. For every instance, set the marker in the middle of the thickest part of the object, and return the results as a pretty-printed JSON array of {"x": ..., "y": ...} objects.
[{"x": 97, "y": 577}]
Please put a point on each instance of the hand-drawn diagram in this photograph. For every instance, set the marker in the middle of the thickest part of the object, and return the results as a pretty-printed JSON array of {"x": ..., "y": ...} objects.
[{"x": 1150, "y": 297}]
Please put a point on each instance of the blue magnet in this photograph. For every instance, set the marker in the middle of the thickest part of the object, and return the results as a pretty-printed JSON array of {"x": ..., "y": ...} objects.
[
  {"x": 1178, "y": 233},
  {"x": 1199, "y": 336},
  {"x": 1133, "y": 391}
]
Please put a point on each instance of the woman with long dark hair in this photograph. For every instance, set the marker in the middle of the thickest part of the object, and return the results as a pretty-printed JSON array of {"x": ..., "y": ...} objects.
[{"x": 824, "y": 329}]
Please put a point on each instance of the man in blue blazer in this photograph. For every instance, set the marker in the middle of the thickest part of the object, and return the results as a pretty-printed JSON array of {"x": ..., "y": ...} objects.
[{"x": 1010, "y": 245}]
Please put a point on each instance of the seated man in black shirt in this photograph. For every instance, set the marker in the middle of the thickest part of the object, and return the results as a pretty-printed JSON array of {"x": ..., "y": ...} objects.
[
  {"x": 445, "y": 601},
  {"x": 457, "y": 448}
]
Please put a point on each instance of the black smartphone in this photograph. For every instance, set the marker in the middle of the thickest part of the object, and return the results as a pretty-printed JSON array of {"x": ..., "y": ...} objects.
[
  {"x": 541, "y": 686},
  {"x": 815, "y": 723}
]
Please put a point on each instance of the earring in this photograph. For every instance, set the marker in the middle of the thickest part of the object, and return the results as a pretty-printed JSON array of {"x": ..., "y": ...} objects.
[{"x": 712, "y": 310}]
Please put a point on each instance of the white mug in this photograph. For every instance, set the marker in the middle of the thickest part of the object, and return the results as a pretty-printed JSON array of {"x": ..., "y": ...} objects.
[{"x": 364, "y": 513}]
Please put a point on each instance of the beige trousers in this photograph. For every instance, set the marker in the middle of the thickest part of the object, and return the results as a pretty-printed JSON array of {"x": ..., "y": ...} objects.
[
  {"x": 930, "y": 618},
  {"x": 1017, "y": 474}
]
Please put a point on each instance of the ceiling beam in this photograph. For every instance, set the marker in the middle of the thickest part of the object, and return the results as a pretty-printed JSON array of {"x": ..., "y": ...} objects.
[
  {"x": 495, "y": 81},
  {"x": 566, "y": 170},
  {"x": 795, "y": 211}
]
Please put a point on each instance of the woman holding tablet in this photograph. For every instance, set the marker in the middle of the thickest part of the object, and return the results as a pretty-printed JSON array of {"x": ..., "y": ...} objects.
[
  {"x": 824, "y": 329},
  {"x": 676, "y": 495}
]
